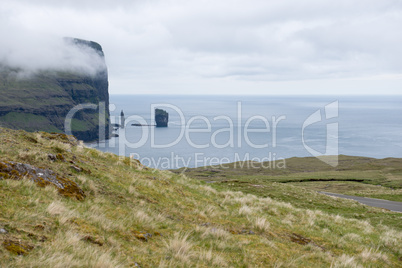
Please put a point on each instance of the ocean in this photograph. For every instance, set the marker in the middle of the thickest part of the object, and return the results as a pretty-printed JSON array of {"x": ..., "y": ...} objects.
[{"x": 213, "y": 130}]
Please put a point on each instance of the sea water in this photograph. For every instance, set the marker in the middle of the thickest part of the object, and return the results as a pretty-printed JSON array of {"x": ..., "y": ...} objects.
[{"x": 213, "y": 130}]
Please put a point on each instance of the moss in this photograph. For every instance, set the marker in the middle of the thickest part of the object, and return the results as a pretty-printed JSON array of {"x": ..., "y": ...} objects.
[
  {"x": 3, "y": 166},
  {"x": 41, "y": 182},
  {"x": 93, "y": 240},
  {"x": 39, "y": 227},
  {"x": 58, "y": 149},
  {"x": 63, "y": 138},
  {"x": 142, "y": 236},
  {"x": 127, "y": 161},
  {"x": 83, "y": 226},
  {"x": 60, "y": 157},
  {"x": 17, "y": 247},
  {"x": 59, "y": 137},
  {"x": 71, "y": 189},
  {"x": 14, "y": 174},
  {"x": 31, "y": 139}
]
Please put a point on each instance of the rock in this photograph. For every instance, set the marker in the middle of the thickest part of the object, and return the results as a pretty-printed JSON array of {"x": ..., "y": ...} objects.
[
  {"x": 161, "y": 118},
  {"x": 122, "y": 119},
  {"x": 42, "y": 177},
  {"x": 3, "y": 231},
  {"x": 76, "y": 168},
  {"x": 299, "y": 239},
  {"x": 143, "y": 236},
  {"x": 52, "y": 157},
  {"x": 248, "y": 232}
]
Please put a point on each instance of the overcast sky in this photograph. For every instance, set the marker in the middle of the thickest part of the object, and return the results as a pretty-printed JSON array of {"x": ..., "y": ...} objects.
[{"x": 224, "y": 46}]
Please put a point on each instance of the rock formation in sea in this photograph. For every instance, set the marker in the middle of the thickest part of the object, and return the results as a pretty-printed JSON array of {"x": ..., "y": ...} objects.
[
  {"x": 122, "y": 119},
  {"x": 161, "y": 118}
]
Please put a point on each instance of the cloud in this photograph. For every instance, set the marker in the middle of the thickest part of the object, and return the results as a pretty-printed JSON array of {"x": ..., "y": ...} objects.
[
  {"x": 33, "y": 50},
  {"x": 205, "y": 41},
  {"x": 35, "y": 53}
]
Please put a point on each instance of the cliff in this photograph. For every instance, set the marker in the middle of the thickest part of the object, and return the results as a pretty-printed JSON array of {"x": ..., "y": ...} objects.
[{"x": 42, "y": 99}]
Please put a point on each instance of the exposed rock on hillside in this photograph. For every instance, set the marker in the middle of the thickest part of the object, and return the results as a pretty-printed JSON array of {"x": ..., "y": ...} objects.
[{"x": 41, "y": 177}]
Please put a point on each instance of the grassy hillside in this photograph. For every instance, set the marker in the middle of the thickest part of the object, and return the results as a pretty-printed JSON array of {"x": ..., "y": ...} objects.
[
  {"x": 364, "y": 176},
  {"x": 301, "y": 178},
  {"x": 117, "y": 213}
]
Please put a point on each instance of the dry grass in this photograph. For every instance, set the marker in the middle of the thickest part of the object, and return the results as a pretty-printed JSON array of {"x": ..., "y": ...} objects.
[
  {"x": 245, "y": 210},
  {"x": 186, "y": 222},
  {"x": 261, "y": 224},
  {"x": 180, "y": 248},
  {"x": 211, "y": 259},
  {"x": 345, "y": 261},
  {"x": 56, "y": 208},
  {"x": 58, "y": 253},
  {"x": 213, "y": 233},
  {"x": 371, "y": 255},
  {"x": 392, "y": 238},
  {"x": 63, "y": 214}
]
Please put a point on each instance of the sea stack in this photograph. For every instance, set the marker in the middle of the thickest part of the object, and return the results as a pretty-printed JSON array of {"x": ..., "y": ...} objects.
[
  {"x": 161, "y": 118},
  {"x": 122, "y": 119}
]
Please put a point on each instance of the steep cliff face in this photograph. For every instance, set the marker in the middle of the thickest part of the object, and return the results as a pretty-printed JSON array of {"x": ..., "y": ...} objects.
[{"x": 41, "y": 100}]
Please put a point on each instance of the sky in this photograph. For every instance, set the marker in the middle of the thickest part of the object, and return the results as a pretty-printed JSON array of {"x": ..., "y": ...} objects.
[{"x": 219, "y": 47}]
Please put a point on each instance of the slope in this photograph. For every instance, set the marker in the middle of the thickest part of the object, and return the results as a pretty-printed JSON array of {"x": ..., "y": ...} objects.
[{"x": 131, "y": 216}]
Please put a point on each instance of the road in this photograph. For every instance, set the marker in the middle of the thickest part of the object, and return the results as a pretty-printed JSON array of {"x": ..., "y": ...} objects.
[{"x": 379, "y": 203}]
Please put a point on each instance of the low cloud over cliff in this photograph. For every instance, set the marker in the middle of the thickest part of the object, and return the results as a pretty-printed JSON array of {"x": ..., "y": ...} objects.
[{"x": 32, "y": 51}]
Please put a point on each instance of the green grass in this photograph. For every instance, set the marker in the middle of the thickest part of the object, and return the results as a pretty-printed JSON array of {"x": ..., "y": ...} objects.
[
  {"x": 354, "y": 188},
  {"x": 298, "y": 182},
  {"x": 36, "y": 92},
  {"x": 192, "y": 223},
  {"x": 79, "y": 125},
  {"x": 384, "y": 172},
  {"x": 41, "y": 100},
  {"x": 303, "y": 197},
  {"x": 29, "y": 122}
]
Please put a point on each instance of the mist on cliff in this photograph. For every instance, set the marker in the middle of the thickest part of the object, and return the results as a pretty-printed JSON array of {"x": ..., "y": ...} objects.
[{"x": 33, "y": 52}]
